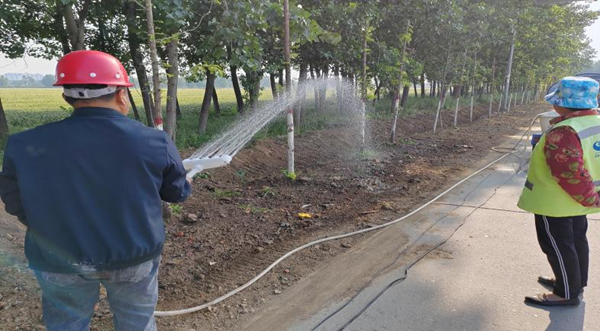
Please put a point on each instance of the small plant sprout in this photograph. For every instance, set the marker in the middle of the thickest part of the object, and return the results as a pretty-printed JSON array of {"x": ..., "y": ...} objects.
[
  {"x": 290, "y": 175},
  {"x": 203, "y": 175},
  {"x": 241, "y": 174},
  {"x": 226, "y": 193},
  {"x": 250, "y": 209},
  {"x": 267, "y": 191},
  {"x": 176, "y": 209},
  {"x": 367, "y": 154}
]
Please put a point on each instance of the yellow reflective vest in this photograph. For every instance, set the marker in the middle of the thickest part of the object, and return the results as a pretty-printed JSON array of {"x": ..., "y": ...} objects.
[{"x": 542, "y": 195}]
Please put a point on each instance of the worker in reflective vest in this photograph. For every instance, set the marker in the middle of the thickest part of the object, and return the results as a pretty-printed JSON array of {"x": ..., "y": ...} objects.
[{"x": 561, "y": 189}]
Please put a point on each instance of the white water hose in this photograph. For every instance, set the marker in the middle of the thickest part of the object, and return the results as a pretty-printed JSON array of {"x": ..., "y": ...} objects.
[{"x": 345, "y": 235}]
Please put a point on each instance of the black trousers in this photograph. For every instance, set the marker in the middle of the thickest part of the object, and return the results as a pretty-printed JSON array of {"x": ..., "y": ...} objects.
[{"x": 564, "y": 241}]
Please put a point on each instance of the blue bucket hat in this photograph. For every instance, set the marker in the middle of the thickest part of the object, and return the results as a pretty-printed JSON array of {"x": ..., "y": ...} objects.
[{"x": 575, "y": 92}]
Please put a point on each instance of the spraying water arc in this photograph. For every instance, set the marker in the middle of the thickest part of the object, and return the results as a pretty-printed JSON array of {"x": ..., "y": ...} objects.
[{"x": 220, "y": 151}]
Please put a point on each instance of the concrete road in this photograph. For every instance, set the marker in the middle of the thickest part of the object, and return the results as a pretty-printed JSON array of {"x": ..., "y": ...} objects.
[{"x": 476, "y": 279}]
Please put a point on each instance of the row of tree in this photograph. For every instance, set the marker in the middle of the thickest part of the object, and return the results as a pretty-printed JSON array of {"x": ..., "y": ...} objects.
[
  {"x": 388, "y": 46},
  {"x": 48, "y": 80},
  {"x": 27, "y": 81}
]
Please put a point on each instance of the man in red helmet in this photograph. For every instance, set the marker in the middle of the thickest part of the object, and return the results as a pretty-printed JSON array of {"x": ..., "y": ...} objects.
[{"x": 89, "y": 190}]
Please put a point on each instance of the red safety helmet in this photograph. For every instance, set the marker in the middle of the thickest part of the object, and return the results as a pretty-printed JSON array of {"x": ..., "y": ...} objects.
[{"x": 90, "y": 67}]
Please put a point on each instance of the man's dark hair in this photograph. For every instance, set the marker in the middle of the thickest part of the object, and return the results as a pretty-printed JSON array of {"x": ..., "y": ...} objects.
[{"x": 106, "y": 97}]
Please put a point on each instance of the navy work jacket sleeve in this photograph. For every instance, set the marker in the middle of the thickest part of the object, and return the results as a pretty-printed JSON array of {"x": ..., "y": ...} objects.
[
  {"x": 175, "y": 188},
  {"x": 9, "y": 187}
]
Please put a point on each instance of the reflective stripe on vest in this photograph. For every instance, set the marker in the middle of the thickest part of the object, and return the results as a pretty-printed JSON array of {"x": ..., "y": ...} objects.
[
  {"x": 594, "y": 130},
  {"x": 542, "y": 195}
]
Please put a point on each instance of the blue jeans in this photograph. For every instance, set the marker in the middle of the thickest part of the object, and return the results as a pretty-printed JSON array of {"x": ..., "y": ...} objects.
[{"x": 68, "y": 300}]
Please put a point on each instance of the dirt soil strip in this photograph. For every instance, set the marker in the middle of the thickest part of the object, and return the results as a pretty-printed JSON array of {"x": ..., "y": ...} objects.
[
  {"x": 368, "y": 262},
  {"x": 242, "y": 218}
]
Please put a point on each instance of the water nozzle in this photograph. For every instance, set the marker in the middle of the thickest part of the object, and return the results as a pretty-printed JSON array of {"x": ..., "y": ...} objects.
[{"x": 195, "y": 166}]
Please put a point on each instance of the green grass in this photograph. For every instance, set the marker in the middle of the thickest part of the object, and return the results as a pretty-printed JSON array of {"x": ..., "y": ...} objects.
[
  {"x": 226, "y": 194},
  {"x": 176, "y": 209},
  {"x": 415, "y": 105},
  {"x": 49, "y": 99},
  {"x": 27, "y": 108}
]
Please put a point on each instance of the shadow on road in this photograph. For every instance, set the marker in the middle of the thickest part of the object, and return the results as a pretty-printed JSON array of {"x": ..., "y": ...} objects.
[{"x": 565, "y": 318}]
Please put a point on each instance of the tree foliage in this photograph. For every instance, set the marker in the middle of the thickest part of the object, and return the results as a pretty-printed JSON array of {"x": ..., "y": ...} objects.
[{"x": 217, "y": 38}]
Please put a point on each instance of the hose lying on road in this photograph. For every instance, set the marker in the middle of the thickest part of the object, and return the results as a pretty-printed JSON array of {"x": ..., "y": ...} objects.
[{"x": 345, "y": 235}]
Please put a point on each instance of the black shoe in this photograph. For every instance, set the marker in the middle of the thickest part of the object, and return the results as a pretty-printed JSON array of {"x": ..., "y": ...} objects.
[
  {"x": 550, "y": 282},
  {"x": 547, "y": 281},
  {"x": 542, "y": 300}
]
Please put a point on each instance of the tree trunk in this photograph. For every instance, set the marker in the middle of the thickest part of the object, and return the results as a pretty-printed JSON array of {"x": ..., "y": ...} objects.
[
  {"x": 71, "y": 26},
  {"x": 500, "y": 101},
  {"x": 377, "y": 88},
  {"x": 415, "y": 88},
  {"x": 102, "y": 34},
  {"x": 76, "y": 25},
  {"x": 179, "y": 114},
  {"x": 323, "y": 87},
  {"x": 59, "y": 27},
  {"x": 474, "y": 83},
  {"x": 300, "y": 115},
  {"x": 256, "y": 92},
  {"x": 138, "y": 60},
  {"x": 157, "y": 115},
  {"x": 458, "y": 90},
  {"x": 492, "y": 86},
  {"x": 136, "y": 114},
  {"x": 288, "y": 87},
  {"x": 236, "y": 88},
  {"x": 273, "y": 86},
  {"x": 208, "y": 92},
  {"x": 405, "y": 93},
  {"x": 236, "y": 84},
  {"x": 422, "y": 85},
  {"x": 364, "y": 83},
  {"x": 281, "y": 82},
  {"x": 318, "y": 89},
  {"x": 172, "y": 79},
  {"x": 441, "y": 103},
  {"x": 3, "y": 123},
  {"x": 524, "y": 91},
  {"x": 315, "y": 85},
  {"x": 396, "y": 100},
  {"x": 506, "y": 90},
  {"x": 340, "y": 88},
  {"x": 216, "y": 105}
]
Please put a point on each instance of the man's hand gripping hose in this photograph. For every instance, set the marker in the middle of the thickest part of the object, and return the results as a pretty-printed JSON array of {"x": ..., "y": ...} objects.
[{"x": 196, "y": 166}]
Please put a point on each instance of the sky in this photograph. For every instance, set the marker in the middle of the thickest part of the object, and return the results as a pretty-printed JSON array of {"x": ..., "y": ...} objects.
[
  {"x": 33, "y": 65},
  {"x": 593, "y": 31}
]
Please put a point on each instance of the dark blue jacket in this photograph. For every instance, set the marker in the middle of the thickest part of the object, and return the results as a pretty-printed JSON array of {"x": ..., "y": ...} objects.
[{"x": 89, "y": 190}]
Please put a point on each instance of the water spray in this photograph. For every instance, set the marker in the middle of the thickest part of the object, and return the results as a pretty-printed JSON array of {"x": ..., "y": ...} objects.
[{"x": 220, "y": 151}]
